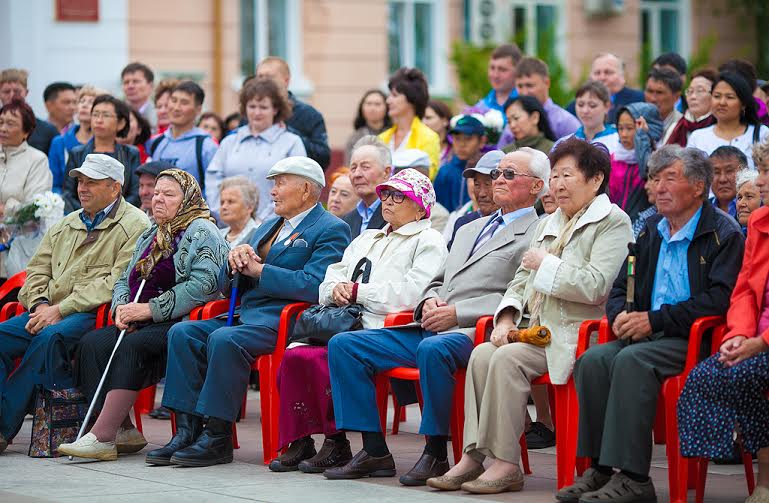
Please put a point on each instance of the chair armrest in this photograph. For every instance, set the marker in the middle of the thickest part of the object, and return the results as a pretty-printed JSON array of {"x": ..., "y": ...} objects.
[
  {"x": 483, "y": 329},
  {"x": 585, "y": 331},
  {"x": 290, "y": 313},
  {"x": 214, "y": 309},
  {"x": 15, "y": 281},
  {"x": 402, "y": 318},
  {"x": 103, "y": 316},
  {"x": 696, "y": 333},
  {"x": 10, "y": 310}
]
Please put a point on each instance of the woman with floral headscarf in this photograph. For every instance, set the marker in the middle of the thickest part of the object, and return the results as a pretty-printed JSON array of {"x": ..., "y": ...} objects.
[
  {"x": 405, "y": 255},
  {"x": 179, "y": 258}
]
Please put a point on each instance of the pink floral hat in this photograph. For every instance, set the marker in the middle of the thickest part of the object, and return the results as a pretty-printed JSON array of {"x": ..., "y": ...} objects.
[{"x": 414, "y": 185}]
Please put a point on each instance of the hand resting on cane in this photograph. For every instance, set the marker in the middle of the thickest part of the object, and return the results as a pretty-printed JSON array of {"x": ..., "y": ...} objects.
[
  {"x": 128, "y": 315},
  {"x": 244, "y": 259}
]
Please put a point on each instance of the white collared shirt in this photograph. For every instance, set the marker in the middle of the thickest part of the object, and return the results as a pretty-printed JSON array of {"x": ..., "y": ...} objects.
[{"x": 291, "y": 224}]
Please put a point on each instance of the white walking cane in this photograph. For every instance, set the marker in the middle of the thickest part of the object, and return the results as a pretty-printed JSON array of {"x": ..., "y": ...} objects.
[{"x": 106, "y": 370}]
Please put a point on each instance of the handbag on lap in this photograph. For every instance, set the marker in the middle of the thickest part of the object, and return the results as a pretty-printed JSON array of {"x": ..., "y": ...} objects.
[
  {"x": 318, "y": 324},
  {"x": 58, "y": 416}
]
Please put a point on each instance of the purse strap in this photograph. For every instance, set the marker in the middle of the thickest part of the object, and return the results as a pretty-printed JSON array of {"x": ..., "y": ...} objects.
[{"x": 362, "y": 268}]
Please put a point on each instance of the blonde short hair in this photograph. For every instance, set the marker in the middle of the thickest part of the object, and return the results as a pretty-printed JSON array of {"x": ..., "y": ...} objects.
[
  {"x": 89, "y": 90},
  {"x": 14, "y": 75},
  {"x": 761, "y": 153}
]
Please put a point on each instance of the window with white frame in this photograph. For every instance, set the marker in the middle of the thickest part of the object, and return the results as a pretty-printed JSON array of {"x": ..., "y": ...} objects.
[
  {"x": 417, "y": 38},
  {"x": 665, "y": 26},
  {"x": 273, "y": 28}
]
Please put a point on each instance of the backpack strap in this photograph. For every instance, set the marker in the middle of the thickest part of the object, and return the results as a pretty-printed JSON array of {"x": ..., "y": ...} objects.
[
  {"x": 155, "y": 145},
  {"x": 756, "y": 132},
  {"x": 199, "y": 156}
]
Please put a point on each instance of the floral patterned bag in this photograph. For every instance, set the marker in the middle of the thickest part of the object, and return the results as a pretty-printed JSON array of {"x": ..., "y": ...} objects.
[{"x": 57, "y": 419}]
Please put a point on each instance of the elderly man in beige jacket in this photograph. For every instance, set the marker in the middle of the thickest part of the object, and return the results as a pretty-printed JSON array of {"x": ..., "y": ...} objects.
[{"x": 71, "y": 274}]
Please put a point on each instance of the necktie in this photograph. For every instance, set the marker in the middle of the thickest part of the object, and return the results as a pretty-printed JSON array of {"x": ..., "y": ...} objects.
[{"x": 487, "y": 233}]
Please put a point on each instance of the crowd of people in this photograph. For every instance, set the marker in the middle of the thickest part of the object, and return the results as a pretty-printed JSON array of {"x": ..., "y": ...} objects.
[{"x": 451, "y": 217}]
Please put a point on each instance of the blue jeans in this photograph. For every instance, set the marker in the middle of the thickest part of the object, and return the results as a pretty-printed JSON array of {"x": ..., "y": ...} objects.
[
  {"x": 355, "y": 357},
  {"x": 45, "y": 362}
]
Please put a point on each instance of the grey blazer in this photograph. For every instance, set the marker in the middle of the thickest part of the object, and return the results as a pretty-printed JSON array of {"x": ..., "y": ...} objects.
[
  {"x": 201, "y": 254},
  {"x": 475, "y": 284}
]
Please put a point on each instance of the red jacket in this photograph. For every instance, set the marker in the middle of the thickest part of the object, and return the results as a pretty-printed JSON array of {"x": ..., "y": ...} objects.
[{"x": 748, "y": 295}]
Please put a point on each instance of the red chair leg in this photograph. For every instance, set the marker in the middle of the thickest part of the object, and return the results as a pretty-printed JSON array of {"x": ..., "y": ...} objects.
[
  {"x": 700, "y": 466},
  {"x": 457, "y": 418},
  {"x": 398, "y": 412},
  {"x": 145, "y": 401},
  {"x": 243, "y": 405},
  {"x": 235, "y": 444},
  {"x": 265, "y": 391},
  {"x": 567, "y": 413},
  {"x": 173, "y": 423},
  {"x": 403, "y": 415},
  {"x": 525, "y": 455},
  {"x": 747, "y": 460},
  {"x": 382, "y": 385},
  {"x": 678, "y": 466}
]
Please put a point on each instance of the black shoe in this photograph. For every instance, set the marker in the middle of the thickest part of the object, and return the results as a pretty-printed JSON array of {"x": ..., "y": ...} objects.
[
  {"x": 539, "y": 437},
  {"x": 298, "y": 451},
  {"x": 333, "y": 453},
  {"x": 188, "y": 428},
  {"x": 212, "y": 447},
  {"x": 161, "y": 413},
  {"x": 363, "y": 465},
  {"x": 4, "y": 443},
  {"x": 427, "y": 467}
]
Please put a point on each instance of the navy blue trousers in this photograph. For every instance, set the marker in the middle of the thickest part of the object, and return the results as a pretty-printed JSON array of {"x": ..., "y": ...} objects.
[
  {"x": 39, "y": 364},
  {"x": 209, "y": 364},
  {"x": 355, "y": 357}
]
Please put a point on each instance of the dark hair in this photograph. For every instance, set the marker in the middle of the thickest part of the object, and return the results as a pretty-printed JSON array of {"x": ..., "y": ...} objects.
[
  {"x": 20, "y": 107},
  {"x": 729, "y": 152},
  {"x": 359, "y": 120},
  {"x": 596, "y": 88},
  {"x": 233, "y": 116},
  {"x": 671, "y": 59},
  {"x": 138, "y": 67},
  {"x": 744, "y": 93},
  {"x": 743, "y": 68},
  {"x": 440, "y": 108},
  {"x": 668, "y": 77},
  {"x": 591, "y": 159},
  {"x": 214, "y": 116},
  {"x": 531, "y": 104},
  {"x": 145, "y": 129},
  {"x": 122, "y": 111},
  {"x": 411, "y": 83},
  {"x": 507, "y": 51},
  {"x": 531, "y": 66},
  {"x": 266, "y": 88},
  {"x": 52, "y": 90},
  {"x": 191, "y": 88}
]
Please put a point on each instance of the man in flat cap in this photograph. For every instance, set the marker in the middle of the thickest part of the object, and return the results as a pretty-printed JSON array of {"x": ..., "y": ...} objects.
[
  {"x": 69, "y": 277},
  {"x": 208, "y": 362}
]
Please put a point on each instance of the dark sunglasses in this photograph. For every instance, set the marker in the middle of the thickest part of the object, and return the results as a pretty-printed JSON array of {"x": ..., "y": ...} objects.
[
  {"x": 397, "y": 195},
  {"x": 509, "y": 174}
]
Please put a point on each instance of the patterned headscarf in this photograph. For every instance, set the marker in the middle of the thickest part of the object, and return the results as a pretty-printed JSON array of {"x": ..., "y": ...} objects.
[
  {"x": 414, "y": 185},
  {"x": 193, "y": 207}
]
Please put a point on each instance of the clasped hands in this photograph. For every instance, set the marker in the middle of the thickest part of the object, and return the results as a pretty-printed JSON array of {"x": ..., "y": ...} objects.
[
  {"x": 43, "y": 316},
  {"x": 243, "y": 259},
  {"x": 438, "y": 316},
  {"x": 127, "y": 315},
  {"x": 740, "y": 348},
  {"x": 634, "y": 326},
  {"x": 342, "y": 293}
]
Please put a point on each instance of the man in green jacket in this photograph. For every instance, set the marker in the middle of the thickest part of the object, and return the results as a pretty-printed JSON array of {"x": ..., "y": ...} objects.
[{"x": 70, "y": 275}]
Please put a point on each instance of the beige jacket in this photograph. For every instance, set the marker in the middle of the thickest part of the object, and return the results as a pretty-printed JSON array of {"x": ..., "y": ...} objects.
[
  {"x": 576, "y": 285},
  {"x": 24, "y": 173},
  {"x": 76, "y": 270}
]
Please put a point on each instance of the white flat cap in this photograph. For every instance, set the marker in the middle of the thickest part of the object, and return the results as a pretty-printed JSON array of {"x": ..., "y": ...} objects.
[
  {"x": 299, "y": 166},
  {"x": 99, "y": 167},
  {"x": 411, "y": 158}
]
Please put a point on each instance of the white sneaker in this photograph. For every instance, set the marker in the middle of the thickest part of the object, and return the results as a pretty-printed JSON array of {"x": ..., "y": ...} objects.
[
  {"x": 129, "y": 441},
  {"x": 760, "y": 495},
  {"x": 89, "y": 447}
]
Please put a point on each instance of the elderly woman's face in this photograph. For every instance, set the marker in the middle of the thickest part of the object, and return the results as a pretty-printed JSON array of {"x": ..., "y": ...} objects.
[
  {"x": 11, "y": 129},
  {"x": 548, "y": 202},
  {"x": 571, "y": 189},
  {"x": 725, "y": 102},
  {"x": 748, "y": 200},
  {"x": 341, "y": 197},
  {"x": 397, "y": 209},
  {"x": 261, "y": 113},
  {"x": 167, "y": 199},
  {"x": 698, "y": 96},
  {"x": 233, "y": 209}
]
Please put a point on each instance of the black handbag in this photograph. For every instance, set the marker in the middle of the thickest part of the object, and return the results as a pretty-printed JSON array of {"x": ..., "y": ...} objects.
[{"x": 318, "y": 324}]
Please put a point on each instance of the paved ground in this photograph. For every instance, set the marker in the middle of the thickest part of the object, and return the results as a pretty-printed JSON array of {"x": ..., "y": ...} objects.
[{"x": 23, "y": 479}]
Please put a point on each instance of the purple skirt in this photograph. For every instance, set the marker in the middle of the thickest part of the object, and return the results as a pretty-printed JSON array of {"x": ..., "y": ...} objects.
[{"x": 305, "y": 395}]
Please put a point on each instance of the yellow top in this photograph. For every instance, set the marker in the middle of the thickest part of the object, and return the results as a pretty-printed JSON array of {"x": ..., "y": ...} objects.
[{"x": 422, "y": 138}]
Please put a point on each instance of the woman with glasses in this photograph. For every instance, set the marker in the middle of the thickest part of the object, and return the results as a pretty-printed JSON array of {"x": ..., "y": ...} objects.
[
  {"x": 697, "y": 113},
  {"x": 564, "y": 278},
  {"x": 110, "y": 120},
  {"x": 405, "y": 255}
]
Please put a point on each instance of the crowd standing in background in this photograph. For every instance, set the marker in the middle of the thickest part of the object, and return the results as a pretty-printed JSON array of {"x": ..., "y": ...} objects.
[{"x": 515, "y": 207}]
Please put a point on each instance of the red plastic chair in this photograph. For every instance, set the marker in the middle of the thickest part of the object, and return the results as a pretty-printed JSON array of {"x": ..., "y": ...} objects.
[
  {"x": 267, "y": 365},
  {"x": 457, "y": 420},
  {"x": 12, "y": 283}
]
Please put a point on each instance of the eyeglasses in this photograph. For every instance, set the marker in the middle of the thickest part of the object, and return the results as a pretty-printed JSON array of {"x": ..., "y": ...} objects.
[
  {"x": 509, "y": 174},
  {"x": 397, "y": 195},
  {"x": 102, "y": 115},
  {"x": 699, "y": 91}
]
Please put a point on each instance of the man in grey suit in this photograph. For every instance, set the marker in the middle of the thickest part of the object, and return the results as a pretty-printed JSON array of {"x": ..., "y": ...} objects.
[
  {"x": 370, "y": 165},
  {"x": 484, "y": 258}
]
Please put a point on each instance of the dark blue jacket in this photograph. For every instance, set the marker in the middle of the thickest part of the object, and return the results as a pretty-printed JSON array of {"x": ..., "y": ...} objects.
[
  {"x": 42, "y": 135},
  {"x": 449, "y": 184}
]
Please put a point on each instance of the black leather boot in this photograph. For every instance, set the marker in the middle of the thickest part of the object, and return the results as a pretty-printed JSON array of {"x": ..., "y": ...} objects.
[
  {"x": 188, "y": 428},
  {"x": 212, "y": 447}
]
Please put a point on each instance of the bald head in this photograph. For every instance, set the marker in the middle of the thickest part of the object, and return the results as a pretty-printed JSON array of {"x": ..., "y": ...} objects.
[
  {"x": 609, "y": 69},
  {"x": 275, "y": 69}
]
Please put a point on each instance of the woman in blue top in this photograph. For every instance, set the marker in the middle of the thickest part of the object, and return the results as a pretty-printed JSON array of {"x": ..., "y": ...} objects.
[{"x": 254, "y": 148}]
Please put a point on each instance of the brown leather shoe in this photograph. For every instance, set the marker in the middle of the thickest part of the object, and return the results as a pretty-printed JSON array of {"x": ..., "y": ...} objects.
[
  {"x": 332, "y": 454},
  {"x": 363, "y": 465},
  {"x": 448, "y": 483},
  {"x": 298, "y": 451},
  {"x": 426, "y": 467},
  {"x": 512, "y": 482}
]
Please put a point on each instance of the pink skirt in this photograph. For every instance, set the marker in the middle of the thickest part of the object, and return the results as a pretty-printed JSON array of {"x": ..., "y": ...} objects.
[{"x": 305, "y": 395}]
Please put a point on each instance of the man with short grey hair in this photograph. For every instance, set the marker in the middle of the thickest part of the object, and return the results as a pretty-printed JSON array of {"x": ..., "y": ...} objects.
[
  {"x": 69, "y": 277},
  {"x": 687, "y": 260},
  {"x": 370, "y": 165}
]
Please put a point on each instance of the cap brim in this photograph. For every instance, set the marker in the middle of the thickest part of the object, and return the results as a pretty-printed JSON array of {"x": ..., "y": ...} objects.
[
  {"x": 92, "y": 174},
  {"x": 469, "y": 172},
  {"x": 395, "y": 184}
]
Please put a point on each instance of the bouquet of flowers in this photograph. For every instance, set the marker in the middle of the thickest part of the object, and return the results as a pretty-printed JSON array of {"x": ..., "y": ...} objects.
[
  {"x": 45, "y": 209},
  {"x": 491, "y": 119}
]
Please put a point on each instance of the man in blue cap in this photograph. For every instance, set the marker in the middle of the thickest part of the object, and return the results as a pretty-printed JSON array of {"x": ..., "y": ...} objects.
[{"x": 469, "y": 137}]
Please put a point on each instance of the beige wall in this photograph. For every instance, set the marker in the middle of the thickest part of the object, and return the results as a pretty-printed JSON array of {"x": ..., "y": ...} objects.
[{"x": 734, "y": 32}]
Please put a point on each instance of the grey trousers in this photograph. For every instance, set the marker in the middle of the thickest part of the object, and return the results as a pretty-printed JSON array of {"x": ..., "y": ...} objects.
[
  {"x": 497, "y": 389},
  {"x": 618, "y": 385}
]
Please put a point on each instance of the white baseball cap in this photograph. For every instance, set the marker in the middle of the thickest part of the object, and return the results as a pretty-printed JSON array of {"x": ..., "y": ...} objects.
[
  {"x": 100, "y": 167},
  {"x": 299, "y": 166}
]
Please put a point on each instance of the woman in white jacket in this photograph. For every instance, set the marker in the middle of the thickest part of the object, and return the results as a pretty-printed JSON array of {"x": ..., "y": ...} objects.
[{"x": 405, "y": 255}]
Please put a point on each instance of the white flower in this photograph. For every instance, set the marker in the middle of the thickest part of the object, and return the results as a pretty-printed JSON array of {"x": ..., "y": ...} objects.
[
  {"x": 493, "y": 120},
  {"x": 48, "y": 205}
]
